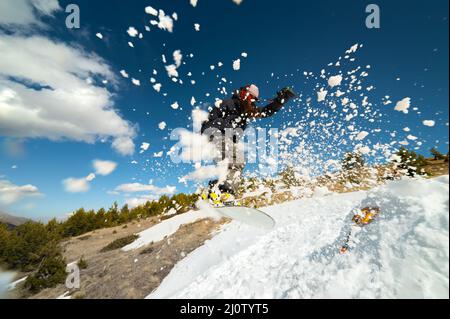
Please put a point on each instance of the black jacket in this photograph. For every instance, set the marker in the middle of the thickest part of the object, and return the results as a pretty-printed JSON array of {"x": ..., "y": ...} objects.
[{"x": 230, "y": 114}]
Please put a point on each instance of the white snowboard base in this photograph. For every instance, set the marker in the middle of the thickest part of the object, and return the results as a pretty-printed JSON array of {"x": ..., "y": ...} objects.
[{"x": 246, "y": 215}]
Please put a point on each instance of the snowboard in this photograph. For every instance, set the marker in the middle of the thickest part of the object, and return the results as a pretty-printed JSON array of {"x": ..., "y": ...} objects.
[
  {"x": 246, "y": 215},
  {"x": 250, "y": 216}
]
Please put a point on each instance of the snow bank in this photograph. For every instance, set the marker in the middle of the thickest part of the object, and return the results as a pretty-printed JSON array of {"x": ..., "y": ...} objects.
[
  {"x": 5, "y": 279},
  {"x": 168, "y": 227},
  {"x": 404, "y": 254}
]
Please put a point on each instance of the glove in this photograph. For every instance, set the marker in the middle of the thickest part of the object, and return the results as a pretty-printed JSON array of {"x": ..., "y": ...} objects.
[{"x": 284, "y": 95}]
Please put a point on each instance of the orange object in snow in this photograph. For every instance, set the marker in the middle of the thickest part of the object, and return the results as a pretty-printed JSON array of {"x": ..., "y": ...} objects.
[{"x": 368, "y": 214}]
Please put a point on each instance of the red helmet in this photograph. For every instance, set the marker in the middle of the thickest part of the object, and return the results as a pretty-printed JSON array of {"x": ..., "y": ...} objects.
[{"x": 249, "y": 92}]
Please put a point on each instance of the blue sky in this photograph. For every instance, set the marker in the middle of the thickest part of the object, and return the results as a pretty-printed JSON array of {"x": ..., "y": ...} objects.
[{"x": 408, "y": 57}]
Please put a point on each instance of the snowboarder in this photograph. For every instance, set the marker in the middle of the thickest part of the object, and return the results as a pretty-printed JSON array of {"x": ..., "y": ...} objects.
[
  {"x": 365, "y": 217},
  {"x": 235, "y": 113}
]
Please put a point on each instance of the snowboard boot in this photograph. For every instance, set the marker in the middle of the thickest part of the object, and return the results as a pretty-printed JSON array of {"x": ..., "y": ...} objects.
[{"x": 219, "y": 199}]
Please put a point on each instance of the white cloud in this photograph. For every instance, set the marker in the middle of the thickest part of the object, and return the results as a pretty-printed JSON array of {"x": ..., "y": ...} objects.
[
  {"x": 76, "y": 185},
  {"x": 141, "y": 188},
  {"x": 26, "y": 13},
  {"x": 11, "y": 193},
  {"x": 104, "y": 167},
  {"x": 65, "y": 106},
  {"x": 141, "y": 200},
  {"x": 123, "y": 145},
  {"x": 403, "y": 105},
  {"x": 90, "y": 177},
  {"x": 198, "y": 117},
  {"x": 192, "y": 147},
  {"x": 209, "y": 172}
]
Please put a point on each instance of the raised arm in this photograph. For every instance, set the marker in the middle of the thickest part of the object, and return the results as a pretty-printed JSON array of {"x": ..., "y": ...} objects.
[{"x": 277, "y": 103}]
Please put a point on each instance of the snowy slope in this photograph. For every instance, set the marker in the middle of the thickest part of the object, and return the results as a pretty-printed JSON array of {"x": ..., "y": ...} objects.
[
  {"x": 404, "y": 254},
  {"x": 168, "y": 227}
]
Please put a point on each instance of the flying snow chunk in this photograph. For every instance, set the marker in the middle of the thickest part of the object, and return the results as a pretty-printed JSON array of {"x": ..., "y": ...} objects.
[
  {"x": 165, "y": 22},
  {"x": 194, "y": 3},
  {"x": 132, "y": 32},
  {"x": 131, "y": 44},
  {"x": 157, "y": 87},
  {"x": 136, "y": 82},
  {"x": 172, "y": 70},
  {"x": 361, "y": 135},
  {"x": 244, "y": 54},
  {"x": 197, "y": 27},
  {"x": 159, "y": 154},
  {"x": 144, "y": 146},
  {"x": 124, "y": 73},
  {"x": 403, "y": 105},
  {"x": 352, "y": 49},
  {"x": 99, "y": 35},
  {"x": 90, "y": 177},
  {"x": 175, "y": 105},
  {"x": 339, "y": 93},
  {"x": 335, "y": 80},
  {"x": 177, "y": 57},
  {"x": 193, "y": 101},
  {"x": 411, "y": 137},
  {"x": 238, "y": 2},
  {"x": 162, "y": 125},
  {"x": 237, "y": 64},
  {"x": 363, "y": 150},
  {"x": 321, "y": 95},
  {"x": 429, "y": 123},
  {"x": 151, "y": 11}
]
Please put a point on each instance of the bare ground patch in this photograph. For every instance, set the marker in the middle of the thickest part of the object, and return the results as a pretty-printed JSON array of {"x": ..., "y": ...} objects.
[{"x": 134, "y": 274}]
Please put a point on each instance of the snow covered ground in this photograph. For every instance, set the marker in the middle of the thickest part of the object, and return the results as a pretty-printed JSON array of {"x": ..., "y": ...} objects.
[
  {"x": 404, "y": 254},
  {"x": 168, "y": 227},
  {"x": 5, "y": 280}
]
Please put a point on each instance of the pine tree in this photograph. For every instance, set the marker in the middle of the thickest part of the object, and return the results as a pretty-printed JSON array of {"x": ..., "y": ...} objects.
[
  {"x": 436, "y": 154},
  {"x": 352, "y": 165},
  {"x": 411, "y": 162}
]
